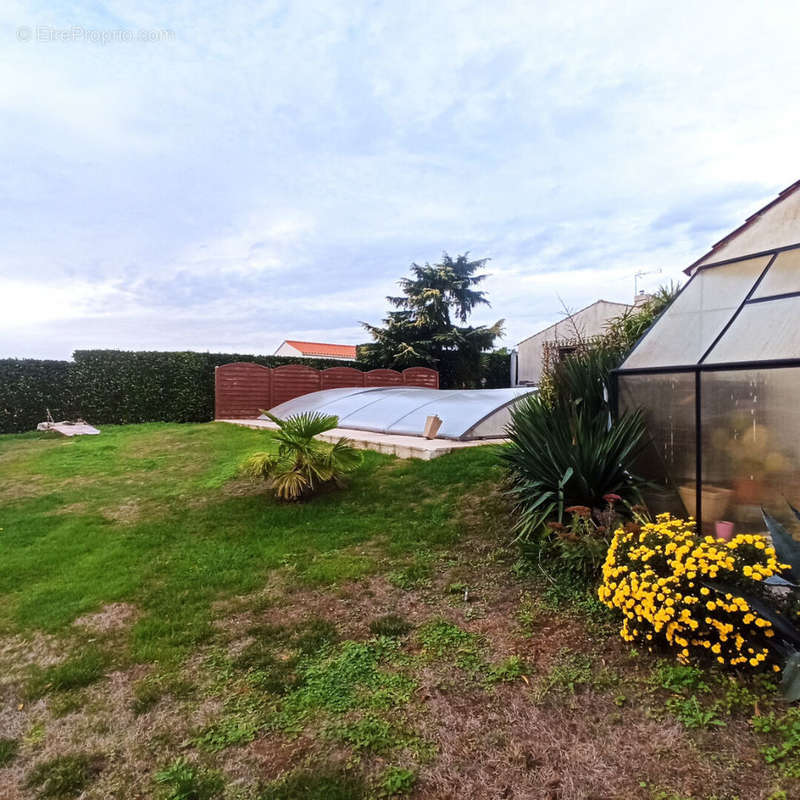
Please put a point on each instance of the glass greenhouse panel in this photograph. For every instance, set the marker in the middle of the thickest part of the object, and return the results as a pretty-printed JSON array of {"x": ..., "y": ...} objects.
[
  {"x": 750, "y": 446},
  {"x": 783, "y": 276},
  {"x": 689, "y": 326},
  {"x": 765, "y": 330},
  {"x": 668, "y": 460}
]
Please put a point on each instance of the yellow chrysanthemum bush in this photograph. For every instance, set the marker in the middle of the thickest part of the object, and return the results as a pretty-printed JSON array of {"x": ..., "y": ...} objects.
[{"x": 704, "y": 597}]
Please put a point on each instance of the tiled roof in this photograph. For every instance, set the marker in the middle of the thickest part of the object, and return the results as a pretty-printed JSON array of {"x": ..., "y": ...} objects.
[{"x": 324, "y": 350}]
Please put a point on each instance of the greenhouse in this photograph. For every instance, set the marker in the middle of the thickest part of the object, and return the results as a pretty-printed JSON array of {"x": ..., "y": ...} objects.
[
  {"x": 466, "y": 414},
  {"x": 717, "y": 378}
]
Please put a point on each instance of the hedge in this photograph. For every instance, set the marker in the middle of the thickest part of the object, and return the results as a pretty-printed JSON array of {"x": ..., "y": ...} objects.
[
  {"x": 28, "y": 387},
  {"x": 107, "y": 387}
]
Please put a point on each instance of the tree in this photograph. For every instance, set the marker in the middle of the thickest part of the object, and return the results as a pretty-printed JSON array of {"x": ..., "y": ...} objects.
[{"x": 422, "y": 329}]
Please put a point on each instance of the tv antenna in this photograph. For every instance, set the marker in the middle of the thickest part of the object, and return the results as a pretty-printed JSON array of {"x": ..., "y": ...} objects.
[{"x": 640, "y": 274}]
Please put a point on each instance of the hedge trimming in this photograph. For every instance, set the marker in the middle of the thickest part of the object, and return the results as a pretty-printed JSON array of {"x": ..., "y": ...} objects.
[{"x": 115, "y": 386}]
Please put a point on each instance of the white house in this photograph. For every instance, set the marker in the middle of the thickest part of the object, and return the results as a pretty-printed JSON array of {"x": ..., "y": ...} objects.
[
  {"x": 341, "y": 352},
  {"x": 562, "y": 338}
]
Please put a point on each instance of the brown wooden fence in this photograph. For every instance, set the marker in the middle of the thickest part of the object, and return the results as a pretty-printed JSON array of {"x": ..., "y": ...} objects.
[{"x": 243, "y": 389}]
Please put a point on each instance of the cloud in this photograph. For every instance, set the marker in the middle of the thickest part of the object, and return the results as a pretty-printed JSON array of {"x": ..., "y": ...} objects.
[{"x": 272, "y": 169}]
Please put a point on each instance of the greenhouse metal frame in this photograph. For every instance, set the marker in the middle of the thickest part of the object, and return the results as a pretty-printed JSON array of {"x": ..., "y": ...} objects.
[{"x": 726, "y": 337}]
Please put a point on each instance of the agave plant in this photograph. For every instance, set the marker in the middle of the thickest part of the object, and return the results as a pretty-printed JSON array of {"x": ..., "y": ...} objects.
[{"x": 303, "y": 464}]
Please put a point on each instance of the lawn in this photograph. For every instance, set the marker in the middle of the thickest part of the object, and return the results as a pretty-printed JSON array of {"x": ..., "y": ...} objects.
[{"x": 170, "y": 630}]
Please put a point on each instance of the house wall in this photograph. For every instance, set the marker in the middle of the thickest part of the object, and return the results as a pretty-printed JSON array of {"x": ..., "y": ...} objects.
[
  {"x": 778, "y": 226},
  {"x": 287, "y": 350},
  {"x": 590, "y": 321}
]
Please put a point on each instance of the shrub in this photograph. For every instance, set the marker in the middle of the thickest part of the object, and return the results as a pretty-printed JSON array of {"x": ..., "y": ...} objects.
[
  {"x": 675, "y": 588},
  {"x": 303, "y": 464},
  {"x": 566, "y": 451}
]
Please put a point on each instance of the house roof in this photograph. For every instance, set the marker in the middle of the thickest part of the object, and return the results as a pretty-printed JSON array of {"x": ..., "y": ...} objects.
[
  {"x": 324, "y": 350},
  {"x": 743, "y": 227},
  {"x": 574, "y": 314}
]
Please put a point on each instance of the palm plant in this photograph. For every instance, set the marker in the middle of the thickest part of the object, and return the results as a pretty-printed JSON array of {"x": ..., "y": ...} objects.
[{"x": 303, "y": 464}]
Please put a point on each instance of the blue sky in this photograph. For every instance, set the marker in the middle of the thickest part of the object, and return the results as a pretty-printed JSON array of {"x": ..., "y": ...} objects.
[{"x": 261, "y": 171}]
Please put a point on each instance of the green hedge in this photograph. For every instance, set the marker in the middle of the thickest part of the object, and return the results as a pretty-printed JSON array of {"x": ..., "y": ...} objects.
[
  {"x": 28, "y": 387},
  {"x": 115, "y": 386},
  {"x": 496, "y": 368}
]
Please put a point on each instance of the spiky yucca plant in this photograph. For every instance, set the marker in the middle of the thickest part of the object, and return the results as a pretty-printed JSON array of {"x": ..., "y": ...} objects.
[
  {"x": 303, "y": 464},
  {"x": 565, "y": 450}
]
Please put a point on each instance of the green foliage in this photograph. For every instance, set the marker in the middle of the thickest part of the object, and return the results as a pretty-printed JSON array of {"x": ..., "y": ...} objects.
[
  {"x": 566, "y": 450},
  {"x": 80, "y": 670},
  {"x": 303, "y": 464},
  {"x": 28, "y": 387},
  {"x": 496, "y": 369},
  {"x": 8, "y": 751},
  {"x": 786, "y": 753},
  {"x": 63, "y": 777},
  {"x": 228, "y": 732},
  {"x": 443, "y": 640},
  {"x": 571, "y": 672},
  {"x": 322, "y": 783},
  {"x": 370, "y": 734},
  {"x": 352, "y": 676},
  {"x": 120, "y": 387},
  {"x": 691, "y": 714},
  {"x": 678, "y": 678},
  {"x": 423, "y": 330},
  {"x": 182, "y": 780},
  {"x": 506, "y": 671},
  {"x": 411, "y": 576},
  {"x": 392, "y": 625},
  {"x": 568, "y": 454},
  {"x": 397, "y": 781}
]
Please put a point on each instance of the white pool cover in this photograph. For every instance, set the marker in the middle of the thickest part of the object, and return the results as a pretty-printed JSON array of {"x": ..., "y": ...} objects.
[{"x": 465, "y": 413}]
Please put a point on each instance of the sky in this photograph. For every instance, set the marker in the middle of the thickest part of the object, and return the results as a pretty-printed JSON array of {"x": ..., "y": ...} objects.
[{"x": 224, "y": 175}]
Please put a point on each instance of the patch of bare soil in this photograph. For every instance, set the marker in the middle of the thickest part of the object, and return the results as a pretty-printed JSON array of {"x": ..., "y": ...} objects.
[
  {"x": 111, "y": 617},
  {"x": 128, "y": 512}
]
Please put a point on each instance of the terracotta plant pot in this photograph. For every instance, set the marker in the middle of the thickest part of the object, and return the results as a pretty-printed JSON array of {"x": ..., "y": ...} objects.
[{"x": 715, "y": 500}]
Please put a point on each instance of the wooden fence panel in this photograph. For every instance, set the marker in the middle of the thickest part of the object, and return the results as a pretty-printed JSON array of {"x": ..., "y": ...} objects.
[
  {"x": 421, "y": 376},
  {"x": 293, "y": 380},
  {"x": 241, "y": 390},
  {"x": 341, "y": 378},
  {"x": 383, "y": 377}
]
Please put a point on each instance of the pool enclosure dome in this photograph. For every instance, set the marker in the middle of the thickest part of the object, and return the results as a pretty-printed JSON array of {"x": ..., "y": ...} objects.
[
  {"x": 717, "y": 378},
  {"x": 466, "y": 414}
]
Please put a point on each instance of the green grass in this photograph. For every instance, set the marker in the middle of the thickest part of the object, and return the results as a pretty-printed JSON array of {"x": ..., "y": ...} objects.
[
  {"x": 145, "y": 514},
  {"x": 8, "y": 751},
  {"x": 63, "y": 777},
  {"x": 184, "y": 781},
  {"x": 322, "y": 783},
  {"x": 78, "y": 671}
]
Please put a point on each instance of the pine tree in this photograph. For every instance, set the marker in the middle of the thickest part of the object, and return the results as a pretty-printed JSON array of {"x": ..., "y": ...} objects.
[{"x": 421, "y": 330}]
